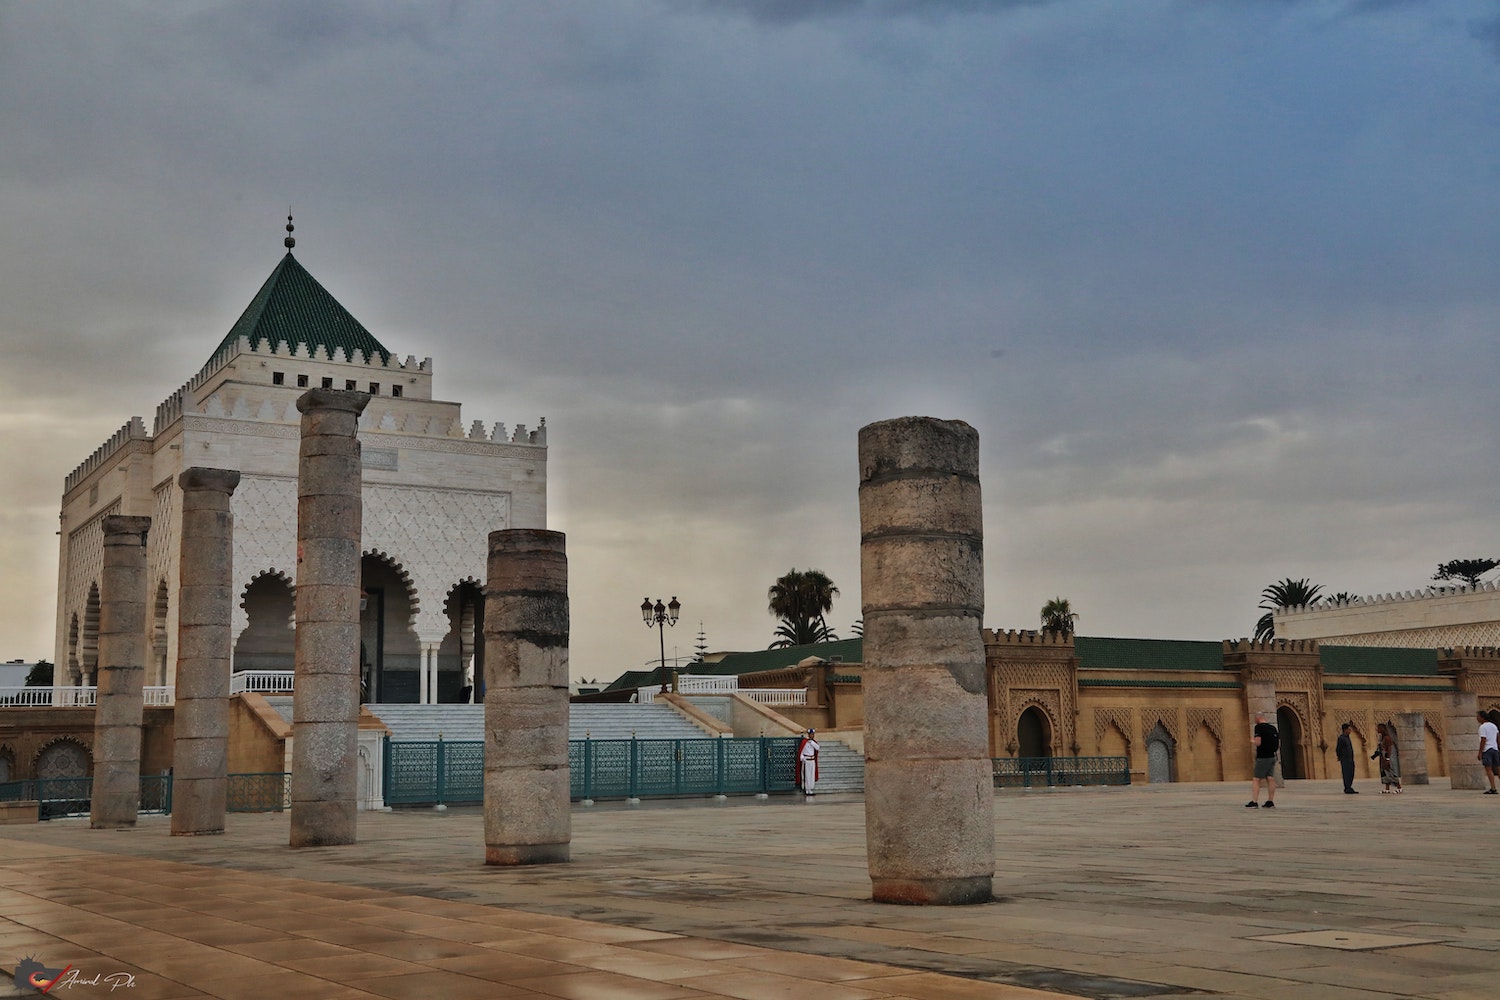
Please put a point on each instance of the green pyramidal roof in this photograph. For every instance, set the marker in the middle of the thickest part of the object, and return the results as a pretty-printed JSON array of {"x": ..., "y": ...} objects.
[{"x": 291, "y": 306}]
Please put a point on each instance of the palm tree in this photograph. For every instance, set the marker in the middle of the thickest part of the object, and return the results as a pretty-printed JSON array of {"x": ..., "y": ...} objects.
[
  {"x": 801, "y": 599},
  {"x": 1286, "y": 593},
  {"x": 1058, "y": 616}
]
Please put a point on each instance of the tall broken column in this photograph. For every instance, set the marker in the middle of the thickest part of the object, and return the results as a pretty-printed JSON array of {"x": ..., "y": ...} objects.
[
  {"x": 121, "y": 674},
  {"x": 205, "y": 645},
  {"x": 1461, "y": 743},
  {"x": 527, "y": 818},
  {"x": 929, "y": 786},
  {"x": 1411, "y": 744},
  {"x": 325, "y": 693}
]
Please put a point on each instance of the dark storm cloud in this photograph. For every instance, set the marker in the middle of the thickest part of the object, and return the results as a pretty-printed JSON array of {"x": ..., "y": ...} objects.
[{"x": 1213, "y": 280}]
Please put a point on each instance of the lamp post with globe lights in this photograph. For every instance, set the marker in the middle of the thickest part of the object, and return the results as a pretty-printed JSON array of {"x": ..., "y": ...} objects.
[{"x": 661, "y": 615}]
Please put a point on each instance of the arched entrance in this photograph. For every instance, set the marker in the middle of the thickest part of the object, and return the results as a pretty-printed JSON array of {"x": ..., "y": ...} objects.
[
  {"x": 89, "y": 643},
  {"x": 1033, "y": 734},
  {"x": 269, "y": 640},
  {"x": 62, "y": 770},
  {"x": 158, "y": 672},
  {"x": 461, "y": 656},
  {"x": 1161, "y": 755},
  {"x": 1289, "y": 729},
  {"x": 390, "y": 656}
]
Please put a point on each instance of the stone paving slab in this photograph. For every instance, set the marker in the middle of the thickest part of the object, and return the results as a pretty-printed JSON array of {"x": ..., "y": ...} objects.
[{"x": 1156, "y": 891}]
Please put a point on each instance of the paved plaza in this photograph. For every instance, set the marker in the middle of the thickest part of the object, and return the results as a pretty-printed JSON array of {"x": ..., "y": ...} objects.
[{"x": 1156, "y": 891}]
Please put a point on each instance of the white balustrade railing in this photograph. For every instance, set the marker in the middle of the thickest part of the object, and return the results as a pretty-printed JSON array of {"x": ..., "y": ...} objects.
[
  {"x": 727, "y": 685},
  {"x": 776, "y": 696},
  {"x": 159, "y": 694},
  {"x": 262, "y": 681},
  {"x": 155, "y": 695}
]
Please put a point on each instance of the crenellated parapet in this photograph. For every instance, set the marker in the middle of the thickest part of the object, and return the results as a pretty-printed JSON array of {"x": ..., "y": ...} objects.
[
  {"x": 1271, "y": 646},
  {"x": 1399, "y": 597},
  {"x": 135, "y": 430},
  {"x": 1027, "y": 637}
]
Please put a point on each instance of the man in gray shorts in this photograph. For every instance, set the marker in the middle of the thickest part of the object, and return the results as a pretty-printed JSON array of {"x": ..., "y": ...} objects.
[{"x": 1266, "y": 743}]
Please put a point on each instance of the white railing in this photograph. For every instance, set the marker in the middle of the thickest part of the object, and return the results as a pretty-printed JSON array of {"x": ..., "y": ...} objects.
[
  {"x": 776, "y": 696},
  {"x": 727, "y": 685},
  {"x": 76, "y": 697},
  {"x": 262, "y": 681},
  {"x": 706, "y": 683}
]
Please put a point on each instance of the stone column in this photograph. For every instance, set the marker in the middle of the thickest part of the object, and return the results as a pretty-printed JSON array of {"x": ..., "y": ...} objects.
[
  {"x": 1260, "y": 697},
  {"x": 325, "y": 695},
  {"x": 121, "y": 672},
  {"x": 1461, "y": 744},
  {"x": 929, "y": 785},
  {"x": 205, "y": 645},
  {"x": 526, "y": 775},
  {"x": 1411, "y": 743}
]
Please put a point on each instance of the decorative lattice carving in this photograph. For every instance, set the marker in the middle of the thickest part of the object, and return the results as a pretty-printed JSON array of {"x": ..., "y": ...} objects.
[
  {"x": 1120, "y": 718},
  {"x": 1211, "y": 719},
  {"x": 1169, "y": 719}
]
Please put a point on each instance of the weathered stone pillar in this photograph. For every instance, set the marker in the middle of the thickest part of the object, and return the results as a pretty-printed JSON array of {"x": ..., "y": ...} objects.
[
  {"x": 200, "y": 720},
  {"x": 325, "y": 695},
  {"x": 122, "y": 673},
  {"x": 929, "y": 783},
  {"x": 1260, "y": 698},
  {"x": 527, "y": 820},
  {"x": 1461, "y": 742},
  {"x": 1411, "y": 743}
]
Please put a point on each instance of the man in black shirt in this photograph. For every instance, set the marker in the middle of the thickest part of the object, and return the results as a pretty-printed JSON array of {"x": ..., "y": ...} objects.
[{"x": 1266, "y": 743}]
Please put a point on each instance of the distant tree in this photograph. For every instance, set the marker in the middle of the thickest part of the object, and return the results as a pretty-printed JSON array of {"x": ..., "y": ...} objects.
[
  {"x": 40, "y": 675},
  {"x": 1058, "y": 616},
  {"x": 700, "y": 648},
  {"x": 1286, "y": 593},
  {"x": 801, "y": 599},
  {"x": 1467, "y": 570},
  {"x": 858, "y": 628}
]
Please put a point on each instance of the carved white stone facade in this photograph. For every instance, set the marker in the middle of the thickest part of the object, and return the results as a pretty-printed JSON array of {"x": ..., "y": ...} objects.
[
  {"x": 433, "y": 489},
  {"x": 1428, "y": 619}
]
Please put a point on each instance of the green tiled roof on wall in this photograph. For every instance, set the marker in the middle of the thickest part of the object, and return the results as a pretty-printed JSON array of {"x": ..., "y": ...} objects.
[
  {"x": 1383, "y": 660},
  {"x": 291, "y": 306},
  {"x": 1147, "y": 654}
]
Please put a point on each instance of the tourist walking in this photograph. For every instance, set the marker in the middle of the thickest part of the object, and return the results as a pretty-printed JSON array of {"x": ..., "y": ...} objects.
[
  {"x": 807, "y": 763},
  {"x": 1390, "y": 759},
  {"x": 1266, "y": 742},
  {"x": 1489, "y": 750},
  {"x": 1344, "y": 751}
]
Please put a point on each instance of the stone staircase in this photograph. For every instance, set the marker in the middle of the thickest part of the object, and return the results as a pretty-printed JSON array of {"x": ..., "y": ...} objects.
[{"x": 840, "y": 768}]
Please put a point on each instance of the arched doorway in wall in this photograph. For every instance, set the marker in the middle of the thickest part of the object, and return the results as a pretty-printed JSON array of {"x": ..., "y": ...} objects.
[
  {"x": 390, "y": 655},
  {"x": 463, "y": 646},
  {"x": 88, "y": 648},
  {"x": 269, "y": 639},
  {"x": 62, "y": 769},
  {"x": 7, "y": 765},
  {"x": 1289, "y": 729},
  {"x": 74, "y": 666},
  {"x": 1161, "y": 755},
  {"x": 1033, "y": 733},
  {"x": 158, "y": 673}
]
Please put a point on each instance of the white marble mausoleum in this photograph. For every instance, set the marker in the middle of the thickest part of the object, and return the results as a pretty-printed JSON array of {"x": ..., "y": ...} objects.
[{"x": 434, "y": 489}]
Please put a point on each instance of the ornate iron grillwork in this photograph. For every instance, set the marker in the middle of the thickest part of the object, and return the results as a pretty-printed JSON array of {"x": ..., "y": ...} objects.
[
  {"x": 1029, "y": 772},
  {"x": 269, "y": 791}
]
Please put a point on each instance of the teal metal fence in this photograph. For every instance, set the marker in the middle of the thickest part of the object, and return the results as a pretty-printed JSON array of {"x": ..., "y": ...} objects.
[
  {"x": 59, "y": 797},
  {"x": 452, "y": 772},
  {"x": 1030, "y": 772}
]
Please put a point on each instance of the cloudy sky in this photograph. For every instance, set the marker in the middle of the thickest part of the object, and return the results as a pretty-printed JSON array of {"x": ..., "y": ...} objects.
[{"x": 1216, "y": 280}]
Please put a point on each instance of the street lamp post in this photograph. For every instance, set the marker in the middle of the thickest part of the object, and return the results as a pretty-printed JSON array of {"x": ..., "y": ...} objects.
[{"x": 661, "y": 615}]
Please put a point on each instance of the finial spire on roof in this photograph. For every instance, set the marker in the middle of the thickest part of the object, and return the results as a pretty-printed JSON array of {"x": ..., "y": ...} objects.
[{"x": 289, "y": 242}]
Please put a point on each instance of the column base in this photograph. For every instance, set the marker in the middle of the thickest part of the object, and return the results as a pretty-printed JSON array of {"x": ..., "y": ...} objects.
[
  {"x": 527, "y": 854},
  {"x": 934, "y": 892}
]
